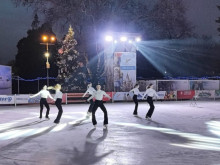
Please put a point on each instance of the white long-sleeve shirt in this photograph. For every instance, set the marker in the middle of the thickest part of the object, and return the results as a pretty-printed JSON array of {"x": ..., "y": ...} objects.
[
  {"x": 58, "y": 95},
  {"x": 151, "y": 93},
  {"x": 90, "y": 91},
  {"x": 99, "y": 95},
  {"x": 136, "y": 91},
  {"x": 43, "y": 94}
]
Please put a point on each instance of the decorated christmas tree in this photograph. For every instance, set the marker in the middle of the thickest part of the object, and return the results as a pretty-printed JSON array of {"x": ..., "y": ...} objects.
[{"x": 72, "y": 73}]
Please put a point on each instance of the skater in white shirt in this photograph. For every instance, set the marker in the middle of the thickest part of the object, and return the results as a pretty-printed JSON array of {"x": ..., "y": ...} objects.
[
  {"x": 90, "y": 91},
  {"x": 99, "y": 103},
  {"x": 136, "y": 92},
  {"x": 58, "y": 101},
  {"x": 150, "y": 92},
  {"x": 44, "y": 94}
]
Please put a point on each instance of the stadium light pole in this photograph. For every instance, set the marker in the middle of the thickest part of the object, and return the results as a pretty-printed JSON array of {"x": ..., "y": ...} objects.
[{"x": 48, "y": 40}]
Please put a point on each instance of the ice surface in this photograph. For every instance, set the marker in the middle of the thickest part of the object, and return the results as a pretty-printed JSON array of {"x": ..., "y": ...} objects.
[{"x": 180, "y": 133}]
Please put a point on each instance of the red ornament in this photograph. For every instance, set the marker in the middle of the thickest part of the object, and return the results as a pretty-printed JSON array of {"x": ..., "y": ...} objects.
[{"x": 60, "y": 51}]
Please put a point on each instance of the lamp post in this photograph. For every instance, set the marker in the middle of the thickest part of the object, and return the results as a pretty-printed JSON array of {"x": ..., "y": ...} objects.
[{"x": 48, "y": 40}]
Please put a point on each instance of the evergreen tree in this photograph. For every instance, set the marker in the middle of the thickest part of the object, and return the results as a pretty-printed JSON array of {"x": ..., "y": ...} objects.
[
  {"x": 36, "y": 22},
  {"x": 72, "y": 73},
  {"x": 30, "y": 60}
]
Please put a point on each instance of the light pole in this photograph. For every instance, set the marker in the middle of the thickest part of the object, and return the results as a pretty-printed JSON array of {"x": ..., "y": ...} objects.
[{"x": 48, "y": 40}]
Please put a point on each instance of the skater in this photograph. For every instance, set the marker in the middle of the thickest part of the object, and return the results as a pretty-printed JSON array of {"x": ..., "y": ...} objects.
[
  {"x": 136, "y": 91},
  {"x": 58, "y": 101},
  {"x": 90, "y": 91},
  {"x": 150, "y": 92},
  {"x": 44, "y": 93},
  {"x": 99, "y": 103}
]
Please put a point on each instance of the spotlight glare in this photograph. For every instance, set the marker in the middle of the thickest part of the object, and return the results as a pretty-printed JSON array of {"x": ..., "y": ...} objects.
[
  {"x": 108, "y": 38},
  {"x": 123, "y": 38},
  {"x": 115, "y": 41},
  {"x": 44, "y": 38},
  {"x": 130, "y": 41},
  {"x": 52, "y": 39},
  {"x": 138, "y": 39},
  {"x": 47, "y": 54}
]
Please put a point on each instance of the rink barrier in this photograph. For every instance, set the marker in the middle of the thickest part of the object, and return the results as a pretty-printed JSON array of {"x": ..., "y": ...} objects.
[{"x": 69, "y": 98}]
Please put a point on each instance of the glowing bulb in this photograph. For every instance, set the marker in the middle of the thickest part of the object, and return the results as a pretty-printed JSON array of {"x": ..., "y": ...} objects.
[
  {"x": 47, "y": 54},
  {"x": 123, "y": 38},
  {"x": 138, "y": 39},
  {"x": 52, "y": 39},
  {"x": 45, "y": 38},
  {"x": 108, "y": 38}
]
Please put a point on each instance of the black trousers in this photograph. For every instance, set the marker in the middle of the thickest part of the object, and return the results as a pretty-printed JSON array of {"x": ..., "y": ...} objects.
[
  {"x": 43, "y": 101},
  {"x": 151, "y": 103},
  {"x": 58, "y": 103},
  {"x": 136, "y": 103},
  {"x": 95, "y": 107},
  {"x": 91, "y": 104}
]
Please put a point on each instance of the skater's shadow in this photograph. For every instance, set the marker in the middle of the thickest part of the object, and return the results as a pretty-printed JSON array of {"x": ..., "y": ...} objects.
[
  {"x": 79, "y": 122},
  {"x": 156, "y": 123},
  {"x": 215, "y": 119},
  {"x": 88, "y": 156},
  {"x": 138, "y": 117},
  {"x": 19, "y": 142},
  {"x": 151, "y": 122},
  {"x": 22, "y": 126}
]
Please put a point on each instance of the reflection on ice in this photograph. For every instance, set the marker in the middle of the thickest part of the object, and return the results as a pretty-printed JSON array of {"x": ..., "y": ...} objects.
[{"x": 196, "y": 141}]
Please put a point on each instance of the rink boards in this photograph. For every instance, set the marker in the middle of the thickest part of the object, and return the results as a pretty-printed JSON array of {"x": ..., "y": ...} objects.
[{"x": 116, "y": 96}]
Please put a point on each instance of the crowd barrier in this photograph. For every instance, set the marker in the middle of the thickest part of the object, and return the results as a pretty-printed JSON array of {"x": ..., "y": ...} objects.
[{"x": 69, "y": 98}]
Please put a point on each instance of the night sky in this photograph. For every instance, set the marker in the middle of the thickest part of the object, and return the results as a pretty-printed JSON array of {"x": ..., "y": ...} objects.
[{"x": 16, "y": 21}]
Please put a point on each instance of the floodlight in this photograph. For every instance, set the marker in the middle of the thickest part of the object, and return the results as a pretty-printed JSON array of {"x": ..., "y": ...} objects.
[
  {"x": 123, "y": 38},
  {"x": 138, "y": 39},
  {"x": 108, "y": 38}
]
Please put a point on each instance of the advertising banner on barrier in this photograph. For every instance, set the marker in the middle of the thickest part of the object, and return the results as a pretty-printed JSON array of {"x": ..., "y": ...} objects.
[
  {"x": 144, "y": 83},
  {"x": 5, "y": 80},
  {"x": 161, "y": 94},
  {"x": 204, "y": 84},
  {"x": 185, "y": 94},
  {"x": 120, "y": 96},
  {"x": 205, "y": 94},
  {"x": 22, "y": 99},
  {"x": 34, "y": 100},
  {"x": 7, "y": 99},
  {"x": 173, "y": 85},
  {"x": 170, "y": 95},
  {"x": 124, "y": 71}
]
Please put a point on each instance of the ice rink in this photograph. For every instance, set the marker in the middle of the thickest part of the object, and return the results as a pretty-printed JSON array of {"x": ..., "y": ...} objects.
[{"x": 179, "y": 134}]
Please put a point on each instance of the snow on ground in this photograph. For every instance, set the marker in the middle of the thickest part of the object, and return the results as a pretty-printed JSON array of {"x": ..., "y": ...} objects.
[{"x": 180, "y": 133}]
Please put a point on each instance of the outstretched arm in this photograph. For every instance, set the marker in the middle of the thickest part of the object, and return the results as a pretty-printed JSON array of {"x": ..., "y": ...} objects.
[
  {"x": 130, "y": 91},
  {"x": 50, "y": 95},
  {"x": 106, "y": 95},
  {"x": 85, "y": 93},
  {"x": 51, "y": 87},
  {"x": 36, "y": 94}
]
